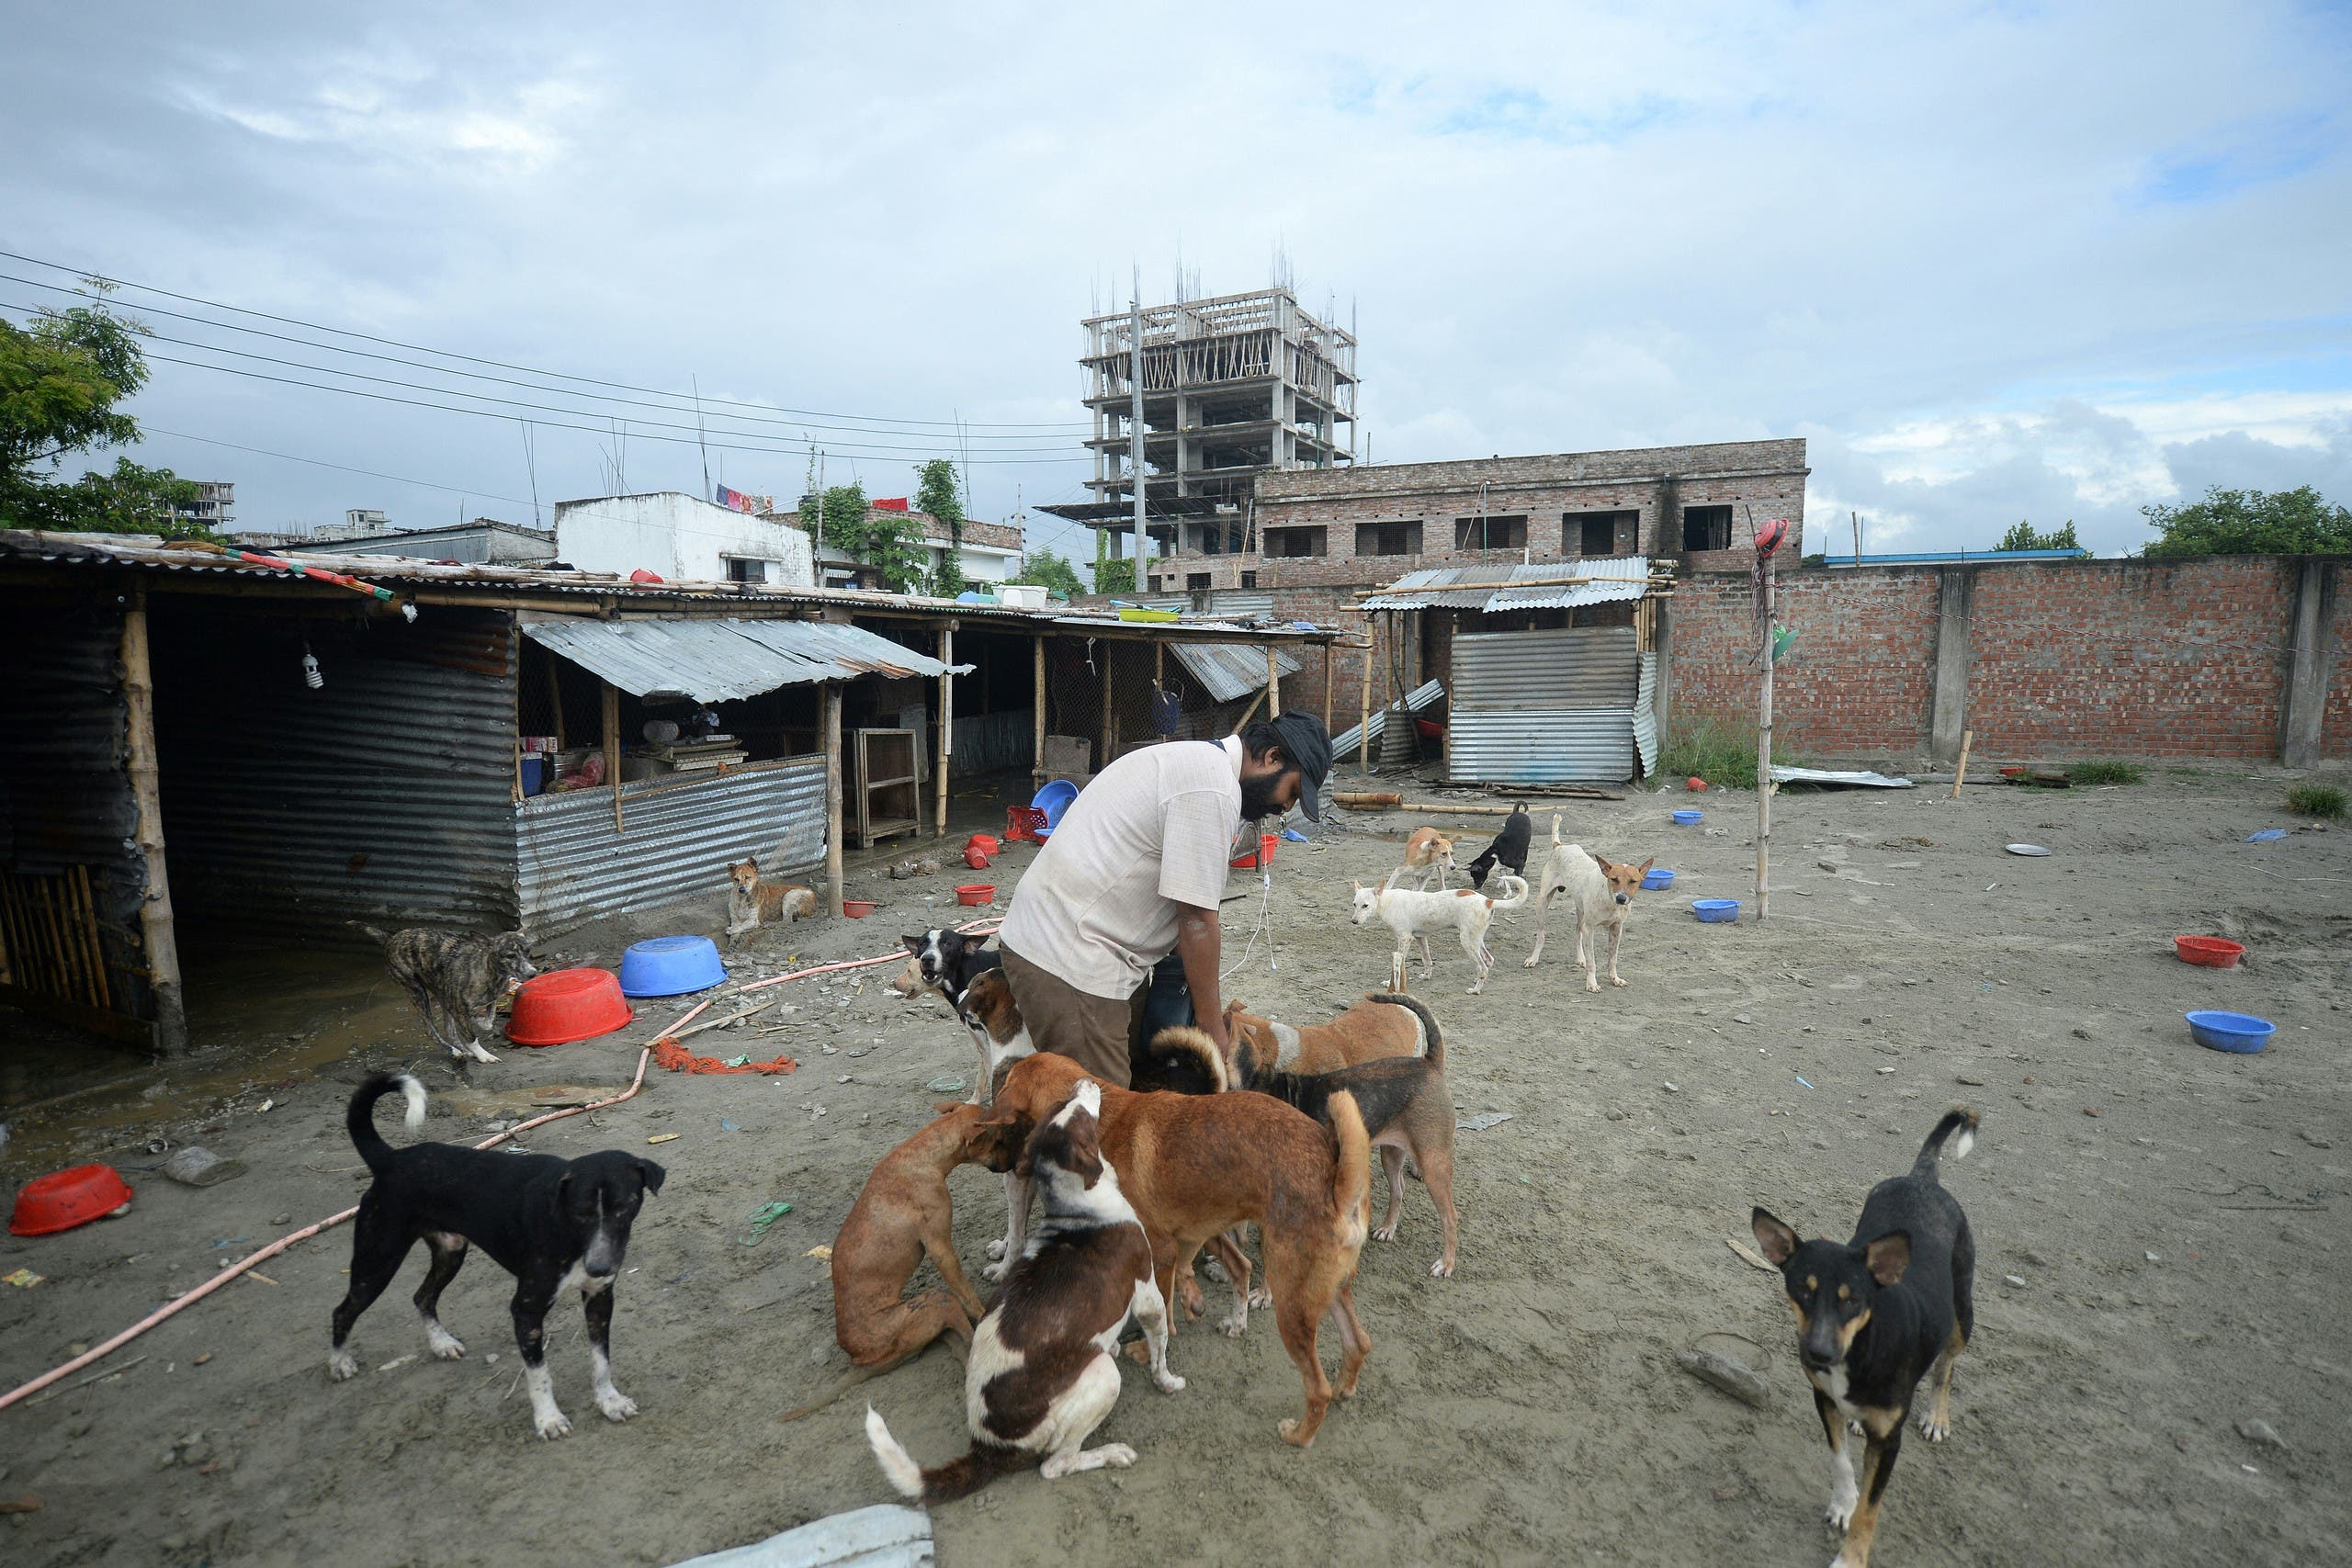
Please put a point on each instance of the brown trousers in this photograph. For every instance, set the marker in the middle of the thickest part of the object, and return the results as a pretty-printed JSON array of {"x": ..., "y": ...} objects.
[{"x": 1096, "y": 1032}]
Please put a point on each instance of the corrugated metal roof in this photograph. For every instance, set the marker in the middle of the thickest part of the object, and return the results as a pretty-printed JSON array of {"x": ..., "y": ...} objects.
[
  {"x": 713, "y": 661},
  {"x": 1228, "y": 671},
  {"x": 1348, "y": 741},
  {"x": 1611, "y": 577}
]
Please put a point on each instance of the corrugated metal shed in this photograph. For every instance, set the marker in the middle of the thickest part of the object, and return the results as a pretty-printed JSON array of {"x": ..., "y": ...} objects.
[
  {"x": 1645, "y": 715},
  {"x": 1346, "y": 743},
  {"x": 1544, "y": 707},
  {"x": 1229, "y": 671},
  {"x": 1241, "y": 606},
  {"x": 677, "y": 841},
  {"x": 713, "y": 661},
  {"x": 1615, "y": 578}
]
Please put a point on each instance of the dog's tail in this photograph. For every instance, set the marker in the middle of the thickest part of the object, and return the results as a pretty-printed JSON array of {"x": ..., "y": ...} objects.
[
  {"x": 361, "y": 1118},
  {"x": 1351, "y": 1180},
  {"x": 1516, "y": 900},
  {"x": 1555, "y": 829},
  {"x": 1188, "y": 1061},
  {"x": 384, "y": 937},
  {"x": 944, "y": 1483},
  {"x": 1959, "y": 1117},
  {"x": 1433, "y": 1037}
]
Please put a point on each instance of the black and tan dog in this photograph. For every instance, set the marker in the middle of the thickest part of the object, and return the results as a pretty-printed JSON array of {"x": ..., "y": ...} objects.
[
  {"x": 1508, "y": 849},
  {"x": 552, "y": 1224},
  {"x": 1876, "y": 1315},
  {"x": 457, "y": 981}
]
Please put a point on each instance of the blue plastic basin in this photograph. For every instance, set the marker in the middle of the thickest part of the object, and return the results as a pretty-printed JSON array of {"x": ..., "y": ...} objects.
[
  {"x": 1715, "y": 911},
  {"x": 1687, "y": 819},
  {"x": 1054, "y": 799},
  {"x": 1658, "y": 879},
  {"x": 2238, "y": 1031},
  {"x": 671, "y": 966}
]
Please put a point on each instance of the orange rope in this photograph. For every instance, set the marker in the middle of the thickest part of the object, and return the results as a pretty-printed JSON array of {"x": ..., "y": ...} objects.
[{"x": 671, "y": 1056}]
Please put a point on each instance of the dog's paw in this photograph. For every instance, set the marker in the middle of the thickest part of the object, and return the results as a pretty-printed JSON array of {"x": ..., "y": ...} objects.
[
  {"x": 1138, "y": 1353},
  {"x": 446, "y": 1345},
  {"x": 1384, "y": 1233},
  {"x": 341, "y": 1364},
  {"x": 1169, "y": 1381},
  {"x": 1855, "y": 1428},
  {"x": 1118, "y": 1455},
  {"x": 554, "y": 1425},
  {"x": 1233, "y": 1325},
  {"x": 1259, "y": 1296},
  {"x": 1593, "y": 986},
  {"x": 1442, "y": 1270},
  {"x": 995, "y": 1273},
  {"x": 1530, "y": 961},
  {"x": 996, "y": 1249},
  {"x": 478, "y": 1054},
  {"x": 1935, "y": 1431},
  {"x": 1840, "y": 1512},
  {"x": 616, "y": 1405},
  {"x": 1288, "y": 1430},
  {"x": 1614, "y": 981}
]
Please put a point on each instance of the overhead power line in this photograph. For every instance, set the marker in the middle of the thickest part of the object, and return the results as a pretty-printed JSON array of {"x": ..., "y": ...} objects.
[
  {"x": 323, "y": 463},
  {"x": 873, "y": 420}
]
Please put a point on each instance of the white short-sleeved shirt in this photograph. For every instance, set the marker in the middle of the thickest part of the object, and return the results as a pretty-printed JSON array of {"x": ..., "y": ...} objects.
[{"x": 1152, "y": 830}]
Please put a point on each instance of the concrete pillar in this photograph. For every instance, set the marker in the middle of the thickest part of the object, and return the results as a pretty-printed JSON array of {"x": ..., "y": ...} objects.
[
  {"x": 1183, "y": 445},
  {"x": 1948, "y": 711},
  {"x": 2303, "y": 703}
]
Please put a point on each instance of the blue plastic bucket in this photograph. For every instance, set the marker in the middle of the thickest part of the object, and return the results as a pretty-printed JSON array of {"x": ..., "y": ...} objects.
[
  {"x": 1657, "y": 879},
  {"x": 1715, "y": 911},
  {"x": 1054, "y": 799},
  {"x": 671, "y": 966},
  {"x": 2239, "y": 1031},
  {"x": 1687, "y": 819}
]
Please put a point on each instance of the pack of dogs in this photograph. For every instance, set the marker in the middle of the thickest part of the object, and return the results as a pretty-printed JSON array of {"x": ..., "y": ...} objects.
[{"x": 1271, "y": 1133}]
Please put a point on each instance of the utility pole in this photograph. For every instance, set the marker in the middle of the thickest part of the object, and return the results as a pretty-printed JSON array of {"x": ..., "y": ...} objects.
[{"x": 1135, "y": 417}]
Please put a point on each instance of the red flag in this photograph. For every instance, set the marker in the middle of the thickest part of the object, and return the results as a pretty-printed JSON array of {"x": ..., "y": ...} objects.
[{"x": 895, "y": 504}]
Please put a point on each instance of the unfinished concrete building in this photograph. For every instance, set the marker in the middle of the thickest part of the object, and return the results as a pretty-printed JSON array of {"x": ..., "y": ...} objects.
[{"x": 1234, "y": 387}]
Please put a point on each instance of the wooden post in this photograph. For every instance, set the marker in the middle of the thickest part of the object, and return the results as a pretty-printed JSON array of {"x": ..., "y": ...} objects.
[
  {"x": 947, "y": 717},
  {"x": 1273, "y": 684},
  {"x": 155, "y": 910},
  {"x": 1960, "y": 774},
  {"x": 1364, "y": 704},
  {"x": 1037, "y": 724},
  {"x": 555, "y": 701},
  {"x": 1327, "y": 688},
  {"x": 832, "y": 708},
  {"x": 1247, "y": 714},
  {"x": 1764, "y": 754},
  {"x": 613, "y": 749}
]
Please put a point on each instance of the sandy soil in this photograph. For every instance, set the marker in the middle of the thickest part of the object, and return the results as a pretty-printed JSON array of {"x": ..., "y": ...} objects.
[{"x": 2164, "y": 1253}]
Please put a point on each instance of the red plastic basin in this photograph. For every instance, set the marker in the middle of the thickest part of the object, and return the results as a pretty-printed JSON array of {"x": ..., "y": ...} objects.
[
  {"x": 565, "y": 1005},
  {"x": 2213, "y": 952},
  {"x": 984, "y": 843},
  {"x": 976, "y": 894},
  {"x": 65, "y": 1198},
  {"x": 1265, "y": 855},
  {"x": 858, "y": 908}
]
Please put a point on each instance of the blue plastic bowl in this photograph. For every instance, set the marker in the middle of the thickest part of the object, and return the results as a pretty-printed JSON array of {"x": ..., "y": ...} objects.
[
  {"x": 2239, "y": 1031},
  {"x": 1657, "y": 879},
  {"x": 1687, "y": 819},
  {"x": 671, "y": 966},
  {"x": 1054, "y": 799},
  {"x": 1715, "y": 911}
]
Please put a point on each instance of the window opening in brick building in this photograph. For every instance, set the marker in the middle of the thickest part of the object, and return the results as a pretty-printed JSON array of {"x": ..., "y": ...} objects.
[
  {"x": 1388, "y": 539},
  {"x": 1490, "y": 533},
  {"x": 1197, "y": 581},
  {"x": 1597, "y": 532},
  {"x": 1706, "y": 527},
  {"x": 1248, "y": 579},
  {"x": 746, "y": 569},
  {"x": 1297, "y": 542}
]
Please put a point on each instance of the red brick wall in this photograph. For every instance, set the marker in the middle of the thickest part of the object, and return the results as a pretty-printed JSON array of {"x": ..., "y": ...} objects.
[
  {"x": 1857, "y": 680},
  {"x": 2335, "y": 722}
]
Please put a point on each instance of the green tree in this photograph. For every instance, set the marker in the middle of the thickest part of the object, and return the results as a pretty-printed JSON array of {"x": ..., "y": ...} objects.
[
  {"x": 1041, "y": 567},
  {"x": 2250, "y": 523},
  {"x": 936, "y": 493},
  {"x": 1115, "y": 576},
  {"x": 61, "y": 375},
  {"x": 2023, "y": 537}
]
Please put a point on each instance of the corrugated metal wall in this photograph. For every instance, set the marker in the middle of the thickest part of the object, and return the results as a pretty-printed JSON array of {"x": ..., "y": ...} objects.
[
  {"x": 385, "y": 797},
  {"x": 1544, "y": 707},
  {"x": 64, "y": 798},
  {"x": 986, "y": 743},
  {"x": 677, "y": 842}
]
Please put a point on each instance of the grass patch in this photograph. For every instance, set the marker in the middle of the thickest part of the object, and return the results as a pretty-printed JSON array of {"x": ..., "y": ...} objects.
[
  {"x": 2108, "y": 772},
  {"x": 1722, "y": 752},
  {"x": 2317, "y": 800}
]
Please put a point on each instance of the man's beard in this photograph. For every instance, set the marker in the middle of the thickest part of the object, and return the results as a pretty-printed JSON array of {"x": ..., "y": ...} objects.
[{"x": 1257, "y": 797}]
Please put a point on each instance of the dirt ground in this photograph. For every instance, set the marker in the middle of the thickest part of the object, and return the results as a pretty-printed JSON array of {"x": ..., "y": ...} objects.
[{"x": 2162, "y": 1230}]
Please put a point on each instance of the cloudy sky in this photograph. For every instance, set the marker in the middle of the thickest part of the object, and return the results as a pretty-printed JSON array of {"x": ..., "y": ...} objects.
[{"x": 1993, "y": 261}]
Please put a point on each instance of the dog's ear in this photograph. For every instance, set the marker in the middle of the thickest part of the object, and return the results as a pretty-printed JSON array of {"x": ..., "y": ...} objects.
[
  {"x": 1647, "y": 864},
  {"x": 651, "y": 1174},
  {"x": 1776, "y": 1241},
  {"x": 914, "y": 944},
  {"x": 1888, "y": 1257},
  {"x": 946, "y": 1107}
]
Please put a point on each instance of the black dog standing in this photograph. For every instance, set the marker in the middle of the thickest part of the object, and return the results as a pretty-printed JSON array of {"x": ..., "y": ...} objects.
[
  {"x": 1876, "y": 1315},
  {"x": 1508, "y": 847},
  {"x": 550, "y": 1223}
]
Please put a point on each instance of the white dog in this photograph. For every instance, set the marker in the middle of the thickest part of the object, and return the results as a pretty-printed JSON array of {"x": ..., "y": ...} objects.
[
  {"x": 1600, "y": 892},
  {"x": 1409, "y": 913}
]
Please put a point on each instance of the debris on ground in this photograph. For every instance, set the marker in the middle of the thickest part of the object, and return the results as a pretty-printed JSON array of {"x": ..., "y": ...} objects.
[
  {"x": 1741, "y": 1383},
  {"x": 194, "y": 1167}
]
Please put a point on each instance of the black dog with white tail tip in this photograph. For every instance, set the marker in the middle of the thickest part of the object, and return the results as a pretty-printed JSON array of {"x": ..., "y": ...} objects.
[
  {"x": 1508, "y": 849},
  {"x": 550, "y": 1223},
  {"x": 1876, "y": 1315}
]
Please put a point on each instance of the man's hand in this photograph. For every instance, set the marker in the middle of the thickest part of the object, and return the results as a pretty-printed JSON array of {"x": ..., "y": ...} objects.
[{"x": 1199, "y": 944}]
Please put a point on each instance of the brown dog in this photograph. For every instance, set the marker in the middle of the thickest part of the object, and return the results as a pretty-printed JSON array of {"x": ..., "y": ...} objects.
[
  {"x": 1194, "y": 1166},
  {"x": 903, "y": 1217},
  {"x": 1385, "y": 1023},
  {"x": 751, "y": 903},
  {"x": 1426, "y": 850}
]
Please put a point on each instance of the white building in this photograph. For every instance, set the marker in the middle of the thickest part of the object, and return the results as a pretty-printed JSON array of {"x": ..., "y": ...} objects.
[{"x": 681, "y": 538}]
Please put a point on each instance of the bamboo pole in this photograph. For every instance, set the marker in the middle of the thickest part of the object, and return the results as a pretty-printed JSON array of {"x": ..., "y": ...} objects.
[
  {"x": 555, "y": 704},
  {"x": 1364, "y": 704},
  {"x": 97, "y": 950},
  {"x": 156, "y": 933},
  {"x": 1967, "y": 738},
  {"x": 1247, "y": 712},
  {"x": 832, "y": 736},
  {"x": 1764, "y": 754},
  {"x": 613, "y": 749},
  {"x": 1038, "y": 718},
  {"x": 1103, "y": 755},
  {"x": 1273, "y": 684},
  {"x": 1327, "y": 688},
  {"x": 947, "y": 718}
]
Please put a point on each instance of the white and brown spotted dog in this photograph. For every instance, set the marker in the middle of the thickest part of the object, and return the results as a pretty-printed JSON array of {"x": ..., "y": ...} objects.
[{"x": 1044, "y": 1372}]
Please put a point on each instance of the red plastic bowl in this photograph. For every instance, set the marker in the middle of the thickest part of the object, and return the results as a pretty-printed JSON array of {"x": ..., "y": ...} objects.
[
  {"x": 2213, "y": 952},
  {"x": 984, "y": 843},
  {"x": 976, "y": 894},
  {"x": 975, "y": 857},
  {"x": 565, "y": 1005},
  {"x": 65, "y": 1198},
  {"x": 1265, "y": 855},
  {"x": 858, "y": 908}
]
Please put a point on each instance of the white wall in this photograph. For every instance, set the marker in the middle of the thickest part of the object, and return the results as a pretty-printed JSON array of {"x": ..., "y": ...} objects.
[
  {"x": 679, "y": 536},
  {"x": 981, "y": 563}
]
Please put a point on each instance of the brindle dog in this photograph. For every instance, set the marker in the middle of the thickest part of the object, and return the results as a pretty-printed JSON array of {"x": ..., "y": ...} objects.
[{"x": 457, "y": 981}]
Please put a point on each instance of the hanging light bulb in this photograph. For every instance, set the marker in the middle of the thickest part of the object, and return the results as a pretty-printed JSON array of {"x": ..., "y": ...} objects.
[{"x": 310, "y": 676}]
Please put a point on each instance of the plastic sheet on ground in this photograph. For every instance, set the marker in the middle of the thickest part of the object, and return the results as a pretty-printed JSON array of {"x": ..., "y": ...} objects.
[
  {"x": 1836, "y": 776},
  {"x": 884, "y": 1536}
]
